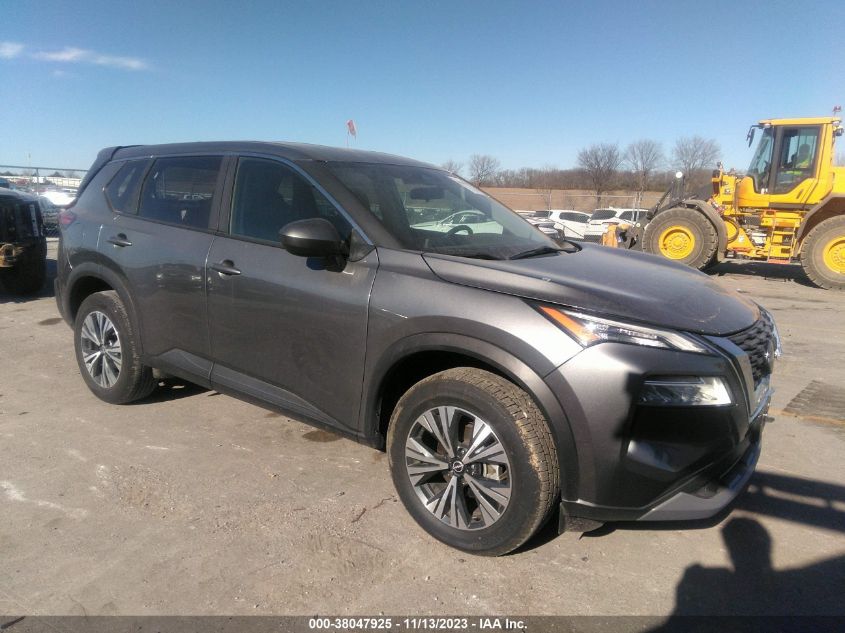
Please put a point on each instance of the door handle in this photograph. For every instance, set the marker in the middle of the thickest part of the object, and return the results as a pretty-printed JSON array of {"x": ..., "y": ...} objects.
[
  {"x": 226, "y": 267},
  {"x": 119, "y": 240}
]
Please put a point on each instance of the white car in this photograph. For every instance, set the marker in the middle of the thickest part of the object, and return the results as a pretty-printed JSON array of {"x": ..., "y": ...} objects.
[
  {"x": 58, "y": 198},
  {"x": 602, "y": 218},
  {"x": 470, "y": 221},
  {"x": 572, "y": 223}
]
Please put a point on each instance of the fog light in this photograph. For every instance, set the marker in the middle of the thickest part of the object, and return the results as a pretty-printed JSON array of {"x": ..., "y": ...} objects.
[{"x": 685, "y": 391}]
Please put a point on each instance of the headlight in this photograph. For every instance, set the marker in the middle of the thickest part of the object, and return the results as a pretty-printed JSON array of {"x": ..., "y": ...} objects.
[
  {"x": 590, "y": 330},
  {"x": 683, "y": 391}
]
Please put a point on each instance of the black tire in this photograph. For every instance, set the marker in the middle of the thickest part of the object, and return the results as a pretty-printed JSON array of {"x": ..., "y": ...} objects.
[
  {"x": 27, "y": 277},
  {"x": 830, "y": 231},
  {"x": 704, "y": 238},
  {"x": 134, "y": 379},
  {"x": 517, "y": 424}
]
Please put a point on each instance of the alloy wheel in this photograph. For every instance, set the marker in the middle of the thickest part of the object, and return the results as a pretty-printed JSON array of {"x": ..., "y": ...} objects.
[
  {"x": 101, "y": 351},
  {"x": 458, "y": 468}
]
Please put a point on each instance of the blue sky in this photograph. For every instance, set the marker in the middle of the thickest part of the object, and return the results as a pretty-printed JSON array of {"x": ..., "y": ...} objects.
[{"x": 530, "y": 83}]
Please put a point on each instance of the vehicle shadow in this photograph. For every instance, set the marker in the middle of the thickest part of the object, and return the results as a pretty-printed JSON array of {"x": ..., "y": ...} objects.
[
  {"x": 763, "y": 270},
  {"x": 46, "y": 291},
  {"x": 170, "y": 389},
  {"x": 752, "y": 587}
]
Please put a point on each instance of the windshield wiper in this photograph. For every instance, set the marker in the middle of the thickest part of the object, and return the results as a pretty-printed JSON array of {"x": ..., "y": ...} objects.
[{"x": 533, "y": 252}]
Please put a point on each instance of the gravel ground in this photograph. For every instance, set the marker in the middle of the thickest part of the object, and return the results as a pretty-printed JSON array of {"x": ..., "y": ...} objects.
[{"x": 196, "y": 503}]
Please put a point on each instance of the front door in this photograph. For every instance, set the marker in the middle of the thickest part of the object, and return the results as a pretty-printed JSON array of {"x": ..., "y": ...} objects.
[{"x": 286, "y": 329}]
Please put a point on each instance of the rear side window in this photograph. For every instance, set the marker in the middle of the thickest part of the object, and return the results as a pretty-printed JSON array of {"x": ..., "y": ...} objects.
[
  {"x": 269, "y": 195},
  {"x": 122, "y": 191},
  {"x": 181, "y": 190}
]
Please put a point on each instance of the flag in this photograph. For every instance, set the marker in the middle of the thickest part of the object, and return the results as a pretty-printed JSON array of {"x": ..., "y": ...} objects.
[{"x": 350, "y": 126}]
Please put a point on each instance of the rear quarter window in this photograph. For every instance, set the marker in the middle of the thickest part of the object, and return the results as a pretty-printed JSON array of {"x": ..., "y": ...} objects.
[{"x": 122, "y": 190}]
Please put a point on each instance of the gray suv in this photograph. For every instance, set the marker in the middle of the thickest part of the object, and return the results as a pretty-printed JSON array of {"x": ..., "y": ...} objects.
[{"x": 507, "y": 376}]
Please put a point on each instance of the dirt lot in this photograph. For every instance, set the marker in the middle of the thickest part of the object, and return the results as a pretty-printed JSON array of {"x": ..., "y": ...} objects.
[{"x": 195, "y": 503}]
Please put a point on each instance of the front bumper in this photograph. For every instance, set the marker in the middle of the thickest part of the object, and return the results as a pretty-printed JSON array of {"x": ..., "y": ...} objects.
[
  {"x": 710, "y": 495},
  {"x": 637, "y": 462}
]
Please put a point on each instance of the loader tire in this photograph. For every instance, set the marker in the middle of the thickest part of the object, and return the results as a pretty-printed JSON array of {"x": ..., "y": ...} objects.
[
  {"x": 683, "y": 235},
  {"x": 823, "y": 254}
]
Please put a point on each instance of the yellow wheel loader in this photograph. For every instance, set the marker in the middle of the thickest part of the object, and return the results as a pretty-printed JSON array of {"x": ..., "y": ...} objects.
[{"x": 789, "y": 205}]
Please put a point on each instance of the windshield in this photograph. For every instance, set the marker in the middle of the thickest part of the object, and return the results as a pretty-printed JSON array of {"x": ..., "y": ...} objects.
[
  {"x": 603, "y": 214},
  {"x": 432, "y": 211},
  {"x": 762, "y": 162}
]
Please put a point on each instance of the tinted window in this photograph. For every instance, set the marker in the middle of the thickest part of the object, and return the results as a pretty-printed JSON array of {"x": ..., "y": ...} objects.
[
  {"x": 122, "y": 191},
  {"x": 180, "y": 190},
  {"x": 626, "y": 215},
  {"x": 269, "y": 195},
  {"x": 603, "y": 214}
]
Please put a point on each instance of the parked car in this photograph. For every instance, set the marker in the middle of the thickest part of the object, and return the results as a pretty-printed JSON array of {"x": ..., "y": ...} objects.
[
  {"x": 58, "y": 197},
  {"x": 601, "y": 218},
  {"x": 505, "y": 375},
  {"x": 5, "y": 184},
  {"x": 50, "y": 213},
  {"x": 572, "y": 223},
  {"x": 546, "y": 226},
  {"x": 541, "y": 220},
  {"x": 23, "y": 247}
]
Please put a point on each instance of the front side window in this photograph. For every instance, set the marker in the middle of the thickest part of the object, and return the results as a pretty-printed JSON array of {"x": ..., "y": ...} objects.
[
  {"x": 796, "y": 157},
  {"x": 761, "y": 164},
  {"x": 431, "y": 210},
  {"x": 269, "y": 195},
  {"x": 180, "y": 190}
]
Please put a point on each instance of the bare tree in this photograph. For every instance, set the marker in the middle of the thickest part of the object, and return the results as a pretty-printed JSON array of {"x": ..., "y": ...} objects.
[
  {"x": 600, "y": 162},
  {"x": 642, "y": 158},
  {"x": 482, "y": 169},
  {"x": 453, "y": 167},
  {"x": 693, "y": 154}
]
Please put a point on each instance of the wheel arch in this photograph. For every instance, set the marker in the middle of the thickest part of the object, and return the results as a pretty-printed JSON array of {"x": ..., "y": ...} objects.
[
  {"x": 88, "y": 278},
  {"x": 412, "y": 359},
  {"x": 829, "y": 207}
]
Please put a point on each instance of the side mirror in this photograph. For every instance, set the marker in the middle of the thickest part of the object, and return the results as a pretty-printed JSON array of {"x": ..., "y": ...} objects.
[{"x": 314, "y": 237}]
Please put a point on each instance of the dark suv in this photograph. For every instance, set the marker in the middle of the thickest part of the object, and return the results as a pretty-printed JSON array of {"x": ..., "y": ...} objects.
[{"x": 503, "y": 372}]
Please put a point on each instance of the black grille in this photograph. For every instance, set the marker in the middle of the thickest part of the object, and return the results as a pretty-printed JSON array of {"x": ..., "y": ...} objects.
[{"x": 756, "y": 341}]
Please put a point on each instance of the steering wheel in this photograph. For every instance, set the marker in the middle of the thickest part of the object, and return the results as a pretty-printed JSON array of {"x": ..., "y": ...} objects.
[{"x": 461, "y": 227}]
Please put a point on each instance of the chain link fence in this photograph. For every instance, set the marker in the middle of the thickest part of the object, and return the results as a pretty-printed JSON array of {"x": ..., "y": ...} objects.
[{"x": 55, "y": 188}]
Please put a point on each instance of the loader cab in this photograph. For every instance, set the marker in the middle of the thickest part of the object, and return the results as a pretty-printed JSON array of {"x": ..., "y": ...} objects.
[
  {"x": 790, "y": 163},
  {"x": 786, "y": 157}
]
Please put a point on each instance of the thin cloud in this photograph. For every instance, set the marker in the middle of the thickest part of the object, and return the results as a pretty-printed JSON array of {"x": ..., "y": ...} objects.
[
  {"x": 10, "y": 50},
  {"x": 73, "y": 55}
]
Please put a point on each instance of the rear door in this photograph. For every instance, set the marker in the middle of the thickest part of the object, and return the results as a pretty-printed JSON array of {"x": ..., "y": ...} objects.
[
  {"x": 159, "y": 239},
  {"x": 287, "y": 330}
]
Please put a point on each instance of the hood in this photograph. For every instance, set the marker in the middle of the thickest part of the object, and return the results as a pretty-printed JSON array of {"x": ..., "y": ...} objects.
[{"x": 610, "y": 282}]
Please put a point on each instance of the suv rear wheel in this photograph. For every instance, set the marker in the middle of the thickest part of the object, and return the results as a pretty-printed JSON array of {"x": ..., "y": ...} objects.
[
  {"x": 107, "y": 350},
  {"x": 473, "y": 460}
]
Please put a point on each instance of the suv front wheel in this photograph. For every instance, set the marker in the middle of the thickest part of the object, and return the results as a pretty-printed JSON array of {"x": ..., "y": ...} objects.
[
  {"x": 473, "y": 460},
  {"x": 107, "y": 350}
]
